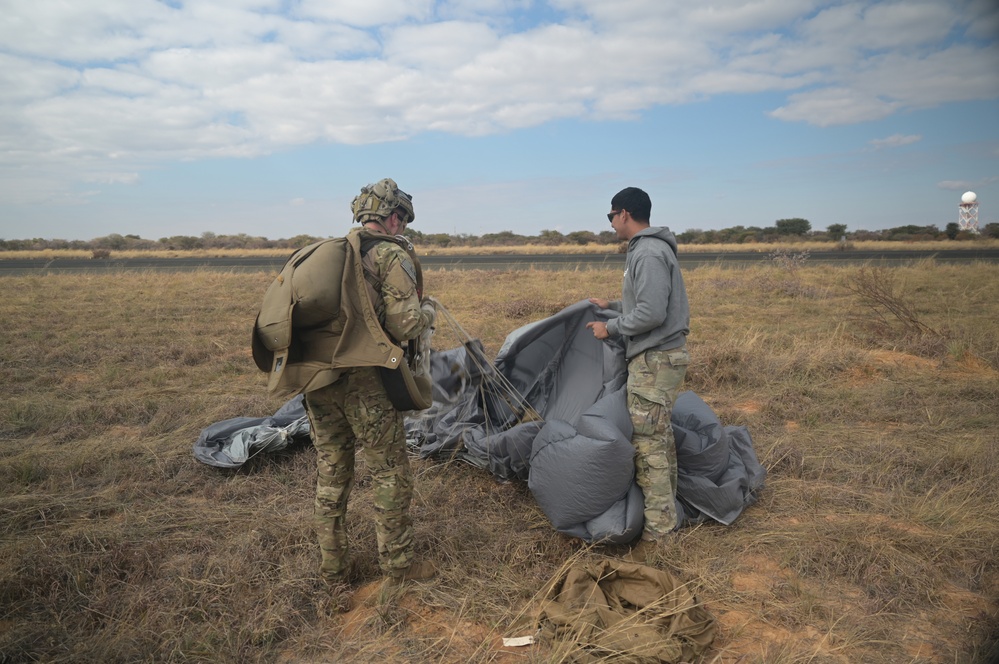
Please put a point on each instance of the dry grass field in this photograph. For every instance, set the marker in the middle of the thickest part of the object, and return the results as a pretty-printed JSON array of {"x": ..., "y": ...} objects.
[
  {"x": 529, "y": 249},
  {"x": 872, "y": 396}
]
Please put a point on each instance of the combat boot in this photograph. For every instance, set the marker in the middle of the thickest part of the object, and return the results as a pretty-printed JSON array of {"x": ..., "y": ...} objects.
[
  {"x": 642, "y": 551},
  {"x": 349, "y": 574},
  {"x": 422, "y": 570},
  {"x": 394, "y": 584}
]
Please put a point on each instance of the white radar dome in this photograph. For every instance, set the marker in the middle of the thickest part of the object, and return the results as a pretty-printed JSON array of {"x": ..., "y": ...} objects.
[{"x": 969, "y": 197}]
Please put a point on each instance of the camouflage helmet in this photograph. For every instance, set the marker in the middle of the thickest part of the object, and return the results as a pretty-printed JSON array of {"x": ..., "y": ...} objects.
[{"x": 377, "y": 201}]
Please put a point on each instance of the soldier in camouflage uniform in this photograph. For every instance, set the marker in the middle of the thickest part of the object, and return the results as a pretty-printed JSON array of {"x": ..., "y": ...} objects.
[
  {"x": 355, "y": 410},
  {"x": 654, "y": 322}
]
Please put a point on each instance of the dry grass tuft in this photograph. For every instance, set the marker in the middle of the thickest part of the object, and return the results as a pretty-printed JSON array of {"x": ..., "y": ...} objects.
[{"x": 874, "y": 540}]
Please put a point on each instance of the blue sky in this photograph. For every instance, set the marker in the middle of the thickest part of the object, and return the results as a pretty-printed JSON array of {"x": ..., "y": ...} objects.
[{"x": 265, "y": 117}]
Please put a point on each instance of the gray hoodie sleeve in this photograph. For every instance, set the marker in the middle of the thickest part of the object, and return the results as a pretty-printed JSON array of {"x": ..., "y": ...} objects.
[{"x": 650, "y": 279}]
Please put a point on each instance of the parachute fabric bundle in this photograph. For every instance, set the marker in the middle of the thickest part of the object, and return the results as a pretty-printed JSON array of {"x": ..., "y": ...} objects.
[
  {"x": 718, "y": 469},
  {"x": 231, "y": 443},
  {"x": 552, "y": 410}
]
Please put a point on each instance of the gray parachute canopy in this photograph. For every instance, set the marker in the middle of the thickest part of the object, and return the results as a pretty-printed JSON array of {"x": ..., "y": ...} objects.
[
  {"x": 231, "y": 443},
  {"x": 552, "y": 410}
]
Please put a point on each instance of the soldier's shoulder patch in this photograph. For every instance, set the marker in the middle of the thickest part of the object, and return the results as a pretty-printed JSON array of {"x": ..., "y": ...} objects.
[{"x": 408, "y": 266}]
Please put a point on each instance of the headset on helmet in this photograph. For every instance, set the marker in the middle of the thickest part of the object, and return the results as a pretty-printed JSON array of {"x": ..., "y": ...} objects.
[{"x": 377, "y": 201}]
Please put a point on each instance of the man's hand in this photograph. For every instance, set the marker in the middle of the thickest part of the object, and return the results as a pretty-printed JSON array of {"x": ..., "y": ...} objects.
[
  {"x": 599, "y": 328},
  {"x": 600, "y": 302}
]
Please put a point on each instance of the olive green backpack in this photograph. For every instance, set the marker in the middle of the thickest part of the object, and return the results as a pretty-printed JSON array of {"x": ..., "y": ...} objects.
[{"x": 307, "y": 331}]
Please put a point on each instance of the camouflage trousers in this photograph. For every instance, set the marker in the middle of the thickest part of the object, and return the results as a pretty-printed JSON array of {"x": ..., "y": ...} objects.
[
  {"x": 654, "y": 379},
  {"x": 355, "y": 411}
]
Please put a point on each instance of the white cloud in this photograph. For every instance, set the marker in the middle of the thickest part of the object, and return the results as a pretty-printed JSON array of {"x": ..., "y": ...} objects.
[
  {"x": 111, "y": 178},
  {"x": 119, "y": 81},
  {"x": 954, "y": 185},
  {"x": 877, "y": 26},
  {"x": 82, "y": 31},
  {"x": 736, "y": 16},
  {"x": 982, "y": 19},
  {"x": 25, "y": 79},
  {"x": 895, "y": 141},
  {"x": 91, "y": 81},
  {"x": 439, "y": 46},
  {"x": 712, "y": 19},
  {"x": 834, "y": 106},
  {"x": 959, "y": 73},
  {"x": 366, "y": 13},
  {"x": 884, "y": 84},
  {"x": 209, "y": 69},
  {"x": 495, "y": 10},
  {"x": 317, "y": 41},
  {"x": 968, "y": 185},
  {"x": 905, "y": 24}
]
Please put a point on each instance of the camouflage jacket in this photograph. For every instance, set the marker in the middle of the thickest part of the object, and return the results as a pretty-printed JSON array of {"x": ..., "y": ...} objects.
[{"x": 395, "y": 286}]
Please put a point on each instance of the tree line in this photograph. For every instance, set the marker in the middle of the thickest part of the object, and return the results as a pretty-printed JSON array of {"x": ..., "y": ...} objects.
[{"x": 782, "y": 230}]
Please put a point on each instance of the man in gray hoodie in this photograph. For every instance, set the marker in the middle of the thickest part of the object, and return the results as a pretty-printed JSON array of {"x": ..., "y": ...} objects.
[{"x": 654, "y": 323}]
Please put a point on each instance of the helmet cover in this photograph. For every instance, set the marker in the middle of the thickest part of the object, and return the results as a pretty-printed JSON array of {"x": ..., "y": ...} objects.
[{"x": 377, "y": 201}]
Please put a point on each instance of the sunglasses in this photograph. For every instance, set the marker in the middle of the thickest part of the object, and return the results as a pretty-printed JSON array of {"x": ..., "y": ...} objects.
[{"x": 611, "y": 215}]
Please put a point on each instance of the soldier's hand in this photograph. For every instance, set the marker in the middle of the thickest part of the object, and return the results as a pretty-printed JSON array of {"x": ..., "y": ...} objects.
[{"x": 430, "y": 310}]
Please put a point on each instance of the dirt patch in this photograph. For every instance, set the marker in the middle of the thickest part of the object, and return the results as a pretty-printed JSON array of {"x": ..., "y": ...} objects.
[
  {"x": 748, "y": 407},
  {"x": 76, "y": 378},
  {"x": 897, "y": 359},
  {"x": 971, "y": 364},
  {"x": 757, "y": 574},
  {"x": 879, "y": 363},
  {"x": 411, "y": 618}
]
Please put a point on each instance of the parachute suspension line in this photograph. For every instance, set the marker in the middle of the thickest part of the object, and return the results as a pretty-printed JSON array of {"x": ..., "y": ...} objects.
[
  {"x": 452, "y": 322},
  {"x": 494, "y": 384}
]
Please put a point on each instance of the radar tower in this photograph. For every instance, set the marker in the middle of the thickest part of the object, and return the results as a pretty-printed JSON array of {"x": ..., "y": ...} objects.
[{"x": 967, "y": 217}]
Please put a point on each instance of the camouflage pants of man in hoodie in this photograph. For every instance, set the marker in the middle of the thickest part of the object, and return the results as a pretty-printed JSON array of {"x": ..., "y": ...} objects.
[
  {"x": 355, "y": 411},
  {"x": 654, "y": 379}
]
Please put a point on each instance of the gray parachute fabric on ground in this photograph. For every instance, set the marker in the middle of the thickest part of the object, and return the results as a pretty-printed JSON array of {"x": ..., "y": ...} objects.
[
  {"x": 719, "y": 474},
  {"x": 230, "y": 443},
  {"x": 572, "y": 441},
  {"x": 456, "y": 418},
  {"x": 582, "y": 475},
  {"x": 578, "y": 458}
]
